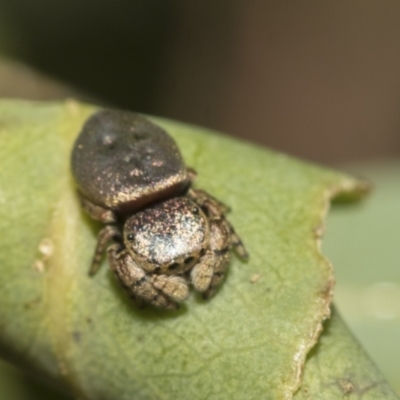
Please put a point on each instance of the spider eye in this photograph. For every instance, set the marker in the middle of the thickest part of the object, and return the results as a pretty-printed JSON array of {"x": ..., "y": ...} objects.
[
  {"x": 173, "y": 266},
  {"x": 195, "y": 210},
  {"x": 189, "y": 260},
  {"x": 130, "y": 236}
]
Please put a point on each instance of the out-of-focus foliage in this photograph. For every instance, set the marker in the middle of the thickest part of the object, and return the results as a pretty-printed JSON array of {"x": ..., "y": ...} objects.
[{"x": 363, "y": 244}]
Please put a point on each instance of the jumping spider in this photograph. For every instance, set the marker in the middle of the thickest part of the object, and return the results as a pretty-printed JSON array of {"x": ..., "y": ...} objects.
[{"x": 166, "y": 235}]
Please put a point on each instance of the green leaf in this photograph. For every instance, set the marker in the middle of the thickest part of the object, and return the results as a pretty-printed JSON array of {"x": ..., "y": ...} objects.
[
  {"x": 249, "y": 341},
  {"x": 17, "y": 385},
  {"x": 337, "y": 368}
]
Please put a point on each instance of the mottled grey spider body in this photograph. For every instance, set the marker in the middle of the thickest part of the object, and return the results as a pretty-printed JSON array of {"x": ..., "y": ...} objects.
[{"x": 165, "y": 235}]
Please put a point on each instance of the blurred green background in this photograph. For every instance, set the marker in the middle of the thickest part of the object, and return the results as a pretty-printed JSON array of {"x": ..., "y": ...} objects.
[
  {"x": 362, "y": 242},
  {"x": 319, "y": 80}
]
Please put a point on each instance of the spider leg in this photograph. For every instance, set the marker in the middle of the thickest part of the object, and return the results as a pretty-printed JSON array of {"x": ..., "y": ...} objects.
[
  {"x": 135, "y": 279},
  {"x": 237, "y": 243},
  {"x": 175, "y": 287},
  {"x": 202, "y": 273},
  {"x": 220, "y": 268},
  {"x": 97, "y": 212},
  {"x": 209, "y": 273},
  {"x": 215, "y": 211},
  {"x": 192, "y": 174},
  {"x": 206, "y": 201},
  {"x": 108, "y": 233}
]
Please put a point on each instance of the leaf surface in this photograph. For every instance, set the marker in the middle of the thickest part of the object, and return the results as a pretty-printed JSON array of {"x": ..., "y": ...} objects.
[
  {"x": 337, "y": 367},
  {"x": 249, "y": 341}
]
